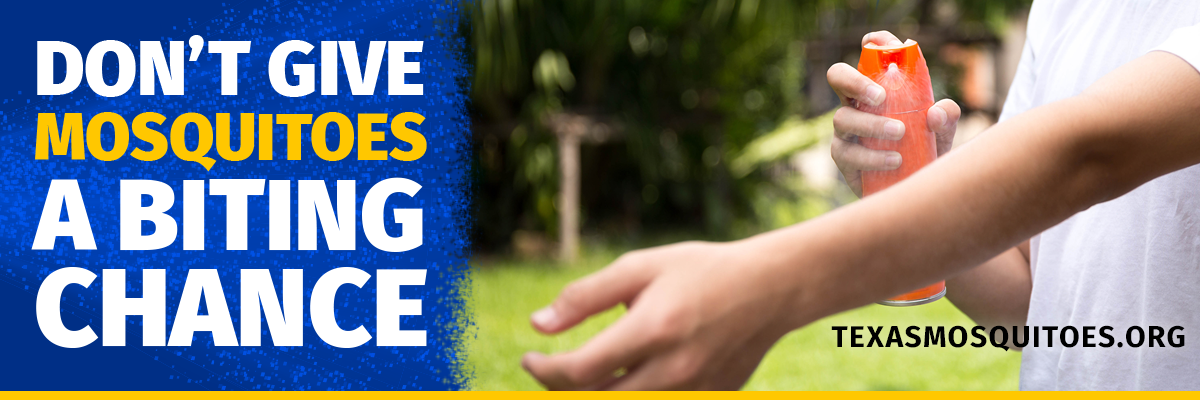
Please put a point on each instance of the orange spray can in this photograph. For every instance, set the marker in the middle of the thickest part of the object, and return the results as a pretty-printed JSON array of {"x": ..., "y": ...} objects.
[{"x": 902, "y": 72}]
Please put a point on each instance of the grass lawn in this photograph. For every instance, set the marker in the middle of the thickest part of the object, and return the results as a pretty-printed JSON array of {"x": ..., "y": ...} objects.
[{"x": 505, "y": 292}]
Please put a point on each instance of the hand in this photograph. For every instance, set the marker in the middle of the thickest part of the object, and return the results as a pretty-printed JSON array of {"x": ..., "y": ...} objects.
[
  {"x": 701, "y": 316},
  {"x": 849, "y": 123}
]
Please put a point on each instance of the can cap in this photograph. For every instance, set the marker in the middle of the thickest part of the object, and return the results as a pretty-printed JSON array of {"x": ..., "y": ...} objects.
[{"x": 902, "y": 72}]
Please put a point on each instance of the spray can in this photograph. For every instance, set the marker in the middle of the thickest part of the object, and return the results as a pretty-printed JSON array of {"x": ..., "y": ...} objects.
[{"x": 902, "y": 72}]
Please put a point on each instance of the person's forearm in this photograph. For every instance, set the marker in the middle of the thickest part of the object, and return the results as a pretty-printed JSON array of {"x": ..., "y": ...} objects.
[
  {"x": 995, "y": 293},
  {"x": 1017, "y": 179},
  {"x": 1010, "y": 183}
]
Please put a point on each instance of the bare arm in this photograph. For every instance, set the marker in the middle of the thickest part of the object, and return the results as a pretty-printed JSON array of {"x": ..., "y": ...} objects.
[
  {"x": 996, "y": 293},
  {"x": 1019, "y": 178},
  {"x": 705, "y": 314}
]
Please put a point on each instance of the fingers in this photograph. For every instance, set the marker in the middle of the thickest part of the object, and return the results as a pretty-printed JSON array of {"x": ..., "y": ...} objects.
[
  {"x": 943, "y": 117},
  {"x": 943, "y": 121},
  {"x": 621, "y": 345},
  {"x": 882, "y": 38},
  {"x": 645, "y": 377},
  {"x": 852, "y": 157},
  {"x": 619, "y": 282},
  {"x": 848, "y": 83},
  {"x": 849, "y": 123},
  {"x": 677, "y": 370},
  {"x": 853, "y": 180}
]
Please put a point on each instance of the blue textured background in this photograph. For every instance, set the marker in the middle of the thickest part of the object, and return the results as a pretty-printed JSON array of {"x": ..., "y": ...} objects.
[{"x": 30, "y": 362}]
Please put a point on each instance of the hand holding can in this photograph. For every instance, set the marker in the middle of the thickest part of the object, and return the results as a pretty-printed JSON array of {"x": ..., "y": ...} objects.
[{"x": 902, "y": 72}]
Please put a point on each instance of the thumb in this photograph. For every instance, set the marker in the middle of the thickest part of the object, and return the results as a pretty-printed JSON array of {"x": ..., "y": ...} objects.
[
  {"x": 942, "y": 119},
  {"x": 620, "y": 282}
]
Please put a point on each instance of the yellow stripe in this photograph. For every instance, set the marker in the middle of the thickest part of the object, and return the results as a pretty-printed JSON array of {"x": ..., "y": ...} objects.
[{"x": 585, "y": 395}]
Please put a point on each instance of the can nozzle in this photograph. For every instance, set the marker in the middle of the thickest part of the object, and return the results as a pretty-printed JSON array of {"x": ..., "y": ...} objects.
[
  {"x": 904, "y": 56},
  {"x": 902, "y": 72}
]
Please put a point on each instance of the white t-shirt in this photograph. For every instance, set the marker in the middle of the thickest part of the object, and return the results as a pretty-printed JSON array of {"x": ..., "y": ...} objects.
[{"x": 1131, "y": 261}]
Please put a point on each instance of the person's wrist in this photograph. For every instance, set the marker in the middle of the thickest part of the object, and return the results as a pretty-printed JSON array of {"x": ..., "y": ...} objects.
[{"x": 785, "y": 263}]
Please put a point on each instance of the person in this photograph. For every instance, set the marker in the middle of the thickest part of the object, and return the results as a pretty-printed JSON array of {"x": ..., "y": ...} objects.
[{"x": 1080, "y": 208}]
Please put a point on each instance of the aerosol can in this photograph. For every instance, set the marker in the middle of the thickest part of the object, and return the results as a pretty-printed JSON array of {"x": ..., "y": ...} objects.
[{"x": 902, "y": 72}]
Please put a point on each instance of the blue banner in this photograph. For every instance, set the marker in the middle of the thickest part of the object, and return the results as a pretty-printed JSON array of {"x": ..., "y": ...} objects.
[{"x": 172, "y": 172}]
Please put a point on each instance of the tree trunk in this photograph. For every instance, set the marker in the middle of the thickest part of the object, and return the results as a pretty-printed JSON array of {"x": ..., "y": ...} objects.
[{"x": 568, "y": 200}]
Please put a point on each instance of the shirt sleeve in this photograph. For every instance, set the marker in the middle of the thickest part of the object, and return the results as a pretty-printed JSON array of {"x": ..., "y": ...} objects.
[
  {"x": 1020, "y": 92},
  {"x": 1184, "y": 43}
]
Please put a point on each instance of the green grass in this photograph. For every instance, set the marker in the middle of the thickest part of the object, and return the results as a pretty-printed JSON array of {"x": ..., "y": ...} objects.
[{"x": 505, "y": 292}]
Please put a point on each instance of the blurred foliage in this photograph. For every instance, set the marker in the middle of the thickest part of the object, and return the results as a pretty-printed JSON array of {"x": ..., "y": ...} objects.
[
  {"x": 792, "y": 135},
  {"x": 708, "y": 96}
]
